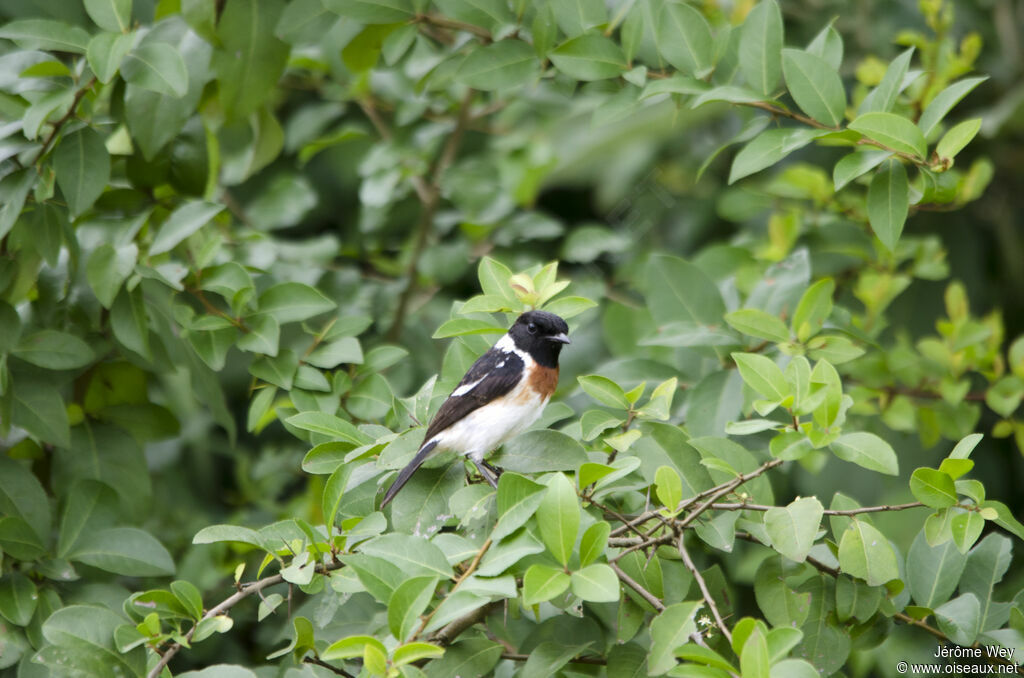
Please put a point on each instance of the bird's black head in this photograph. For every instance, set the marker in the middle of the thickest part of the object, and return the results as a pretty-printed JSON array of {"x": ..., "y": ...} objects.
[{"x": 541, "y": 334}]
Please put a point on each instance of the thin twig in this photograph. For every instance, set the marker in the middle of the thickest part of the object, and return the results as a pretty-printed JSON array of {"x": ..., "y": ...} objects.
[
  {"x": 448, "y": 634},
  {"x": 726, "y": 489},
  {"x": 430, "y": 197},
  {"x": 713, "y": 492},
  {"x": 225, "y": 605},
  {"x": 827, "y": 512},
  {"x": 708, "y": 599},
  {"x": 775, "y": 110},
  {"x": 458, "y": 582},
  {"x": 644, "y": 593},
  {"x": 321, "y": 663},
  {"x": 642, "y": 544},
  {"x": 79, "y": 95}
]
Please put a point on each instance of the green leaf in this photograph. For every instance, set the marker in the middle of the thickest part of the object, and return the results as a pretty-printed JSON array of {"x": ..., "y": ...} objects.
[
  {"x": 346, "y": 350},
  {"x": 105, "y": 53},
  {"x": 18, "y": 598},
  {"x": 762, "y": 375},
  {"x": 373, "y": 11},
  {"x": 865, "y": 552},
  {"x": 757, "y": 323},
  {"x": 966, "y": 527},
  {"x": 684, "y": 39},
  {"x": 595, "y": 583},
  {"x": 834, "y": 348},
  {"x": 815, "y": 86},
  {"x": 855, "y": 164},
  {"x": 558, "y": 517},
  {"x": 933, "y": 572},
  {"x": 814, "y": 309},
  {"x": 933, "y": 488},
  {"x": 569, "y": 307},
  {"x": 85, "y": 634},
  {"x": 460, "y": 327},
  {"x": 189, "y": 596},
  {"x": 252, "y": 58},
  {"x": 669, "y": 487},
  {"x": 794, "y": 527},
  {"x": 108, "y": 268},
  {"x": 110, "y": 15},
  {"x": 54, "y": 350},
  {"x": 127, "y": 551},
  {"x": 595, "y": 422},
  {"x": 294, "y": 301},
  {"x": 518, "y": 499},
  {"x": 828, "y": 44},
  {"x": 953, "y": 141},
  {"x": 867, "y": 450},
  {"x": 501, "y": 65},
  {"x": 960, "y": 619},
  {"x": 604, "y": 391},
  {"x": 494, "y": 276},
  {"x": 39, "y": 409},
  {"x": 577, "y": 16},
  {"x": 768, "y": 148},
  {"x": 90, "y": 505},
  {"x": 543, "y": 582},
  {"x": 679, "y": 291},
  {"x": 328, "y": 425},
  {"x": 889, "y": 203},
  {"x": 986, "y": 565},
  {"x": 334, "y": 490},
  {"x": 158, "y": 67},
  {"x": 23, "y": 496},
  {"x": 760, "y": 49},
  {"x": 408, "y": 602},
  {"x": 46, "y": 34},
  {"x": 894, "y": 131},
  {"x": 263, "y": 336},
  {"x": 755, "y": 662},
  {"x": 540, "y": 451},
  {"x": 883, "y": 97},
  {"x": 219, "y": 533},
  {"x": 413, "y": 652},
  {"x": 589, "y": 57},
  {"x": 352, "y": 646},
  {"x": 14, "y": 189},
  {"x": 670, "y": 629},
  {"x": 944, "y": 102},
  {"x": 82, "y": 164},
  {"x": 593, "y": 542},
  {"x": 183, "y": 222},
  {"x": 412, "y": 554}
]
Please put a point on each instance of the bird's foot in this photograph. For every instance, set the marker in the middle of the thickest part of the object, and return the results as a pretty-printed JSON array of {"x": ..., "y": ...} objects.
[
  {"x": 493, "y": 469},
  {"x": 485, "y": 470}
]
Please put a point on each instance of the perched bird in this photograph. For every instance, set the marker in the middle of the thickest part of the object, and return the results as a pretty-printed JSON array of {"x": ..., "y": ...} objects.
[{"x": 502, "y": 395}]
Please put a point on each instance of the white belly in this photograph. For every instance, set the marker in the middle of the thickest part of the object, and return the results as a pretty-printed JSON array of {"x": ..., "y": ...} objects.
[{"x": 484, "y": 429}]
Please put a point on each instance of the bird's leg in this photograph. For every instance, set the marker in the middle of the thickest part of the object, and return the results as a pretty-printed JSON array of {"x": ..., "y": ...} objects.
[
  {"x": 482, "y": 467},
  {"x": 493, "y": 469}
]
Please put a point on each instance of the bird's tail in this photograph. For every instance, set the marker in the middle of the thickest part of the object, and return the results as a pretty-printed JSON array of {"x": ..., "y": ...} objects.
[{"x": 406, "y": 473}]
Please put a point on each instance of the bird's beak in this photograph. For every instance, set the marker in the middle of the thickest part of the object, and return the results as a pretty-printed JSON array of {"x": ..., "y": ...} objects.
[{"x": 561, "y": 338}]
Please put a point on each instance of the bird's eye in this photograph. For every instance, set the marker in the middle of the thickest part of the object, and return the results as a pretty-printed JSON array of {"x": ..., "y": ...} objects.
[{"x": 532, "y": 328}]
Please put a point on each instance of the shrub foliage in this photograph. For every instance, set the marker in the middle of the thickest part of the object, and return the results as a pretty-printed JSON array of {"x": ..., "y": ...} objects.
[{"x": 249, "y": 246}]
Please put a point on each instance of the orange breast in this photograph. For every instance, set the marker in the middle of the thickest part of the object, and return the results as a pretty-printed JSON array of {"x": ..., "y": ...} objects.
[{"x": 543, "y": 381}]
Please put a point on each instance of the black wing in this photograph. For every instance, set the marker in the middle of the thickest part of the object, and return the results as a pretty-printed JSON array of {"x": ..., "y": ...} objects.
[{"x": 497, "y": 373}]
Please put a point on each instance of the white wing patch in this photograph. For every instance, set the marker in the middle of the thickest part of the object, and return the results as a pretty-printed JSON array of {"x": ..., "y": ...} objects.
[{"x": 466, "y": 388}]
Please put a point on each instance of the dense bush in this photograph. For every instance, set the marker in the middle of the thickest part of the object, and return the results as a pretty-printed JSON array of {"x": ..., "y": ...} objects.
[{"x": 249, "y": 246}]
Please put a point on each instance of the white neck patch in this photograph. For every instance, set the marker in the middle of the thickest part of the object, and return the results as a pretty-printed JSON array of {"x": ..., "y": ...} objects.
[{"x": 506, "y": 344}]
